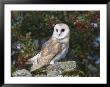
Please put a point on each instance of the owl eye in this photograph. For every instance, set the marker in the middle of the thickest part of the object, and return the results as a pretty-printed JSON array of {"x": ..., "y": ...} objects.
[
  {"x": 62, "y": 30},
  {"x": 56, "y": 30}
]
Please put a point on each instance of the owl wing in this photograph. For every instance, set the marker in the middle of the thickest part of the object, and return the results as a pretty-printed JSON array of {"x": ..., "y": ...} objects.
[
  {"x": 52, "y": 46},
  {"x": 49, "y": 49}
]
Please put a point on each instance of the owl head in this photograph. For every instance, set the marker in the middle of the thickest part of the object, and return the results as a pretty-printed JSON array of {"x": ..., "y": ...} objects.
[{"x": 61, "y": 31}]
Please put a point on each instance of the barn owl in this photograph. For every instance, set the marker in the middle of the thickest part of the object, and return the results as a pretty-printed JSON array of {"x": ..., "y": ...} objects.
[{"x": 54, "y": 49}]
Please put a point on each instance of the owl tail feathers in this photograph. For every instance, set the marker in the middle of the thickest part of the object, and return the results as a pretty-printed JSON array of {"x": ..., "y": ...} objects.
[
  {"x": 35, "y": 67},
  {"x": 29, "y": 61},
  {"x": 33, "y": 59}
]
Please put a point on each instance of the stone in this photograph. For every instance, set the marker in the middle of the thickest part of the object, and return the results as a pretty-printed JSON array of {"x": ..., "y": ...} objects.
[
  {"x": 40, "y": 76},
  {"x": 58, "y": 68},
  {"x": 68, "y": 65},
  {"x": 53, "y": 73},
  {"x": 22, "y": 73}
]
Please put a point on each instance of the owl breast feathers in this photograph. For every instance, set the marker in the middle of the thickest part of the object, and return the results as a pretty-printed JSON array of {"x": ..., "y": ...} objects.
[{"x": 49, "y": 49}]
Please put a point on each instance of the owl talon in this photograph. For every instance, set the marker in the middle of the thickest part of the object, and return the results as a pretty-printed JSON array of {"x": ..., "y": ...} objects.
[{"x": 52, "y": 62}]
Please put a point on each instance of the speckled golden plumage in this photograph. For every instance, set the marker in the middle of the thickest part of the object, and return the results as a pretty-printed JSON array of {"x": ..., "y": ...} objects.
[{"x": 49, "y": 50}]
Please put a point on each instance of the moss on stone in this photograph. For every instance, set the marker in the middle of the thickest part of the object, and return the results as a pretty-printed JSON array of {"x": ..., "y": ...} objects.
[
  {"x": 13, "y": 69},
  {"x": 41, "y": 71},
  {"x": 70, "y": 73}
]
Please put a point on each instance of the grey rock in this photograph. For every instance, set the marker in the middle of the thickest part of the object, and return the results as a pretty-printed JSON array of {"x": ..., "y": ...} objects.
[
  {"x": 59, "y": 67},
  {"x": 71, "y": 76},
  {"x": 22, "y": 73},
  {"x": 54, "y": 70},
  {"x": 53, "y": 73},
  {"x": 40, "y": 76}
]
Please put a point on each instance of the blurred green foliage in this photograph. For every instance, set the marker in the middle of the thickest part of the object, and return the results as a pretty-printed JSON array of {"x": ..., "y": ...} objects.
[{"x": 84, "y": 28}]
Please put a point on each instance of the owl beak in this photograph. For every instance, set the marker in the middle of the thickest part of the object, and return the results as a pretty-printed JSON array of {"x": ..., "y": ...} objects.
[{"x": 59, "y": 34}]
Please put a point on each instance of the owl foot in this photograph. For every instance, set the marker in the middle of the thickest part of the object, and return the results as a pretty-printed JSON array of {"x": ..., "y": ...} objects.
[{"x": 52, "y": 62}]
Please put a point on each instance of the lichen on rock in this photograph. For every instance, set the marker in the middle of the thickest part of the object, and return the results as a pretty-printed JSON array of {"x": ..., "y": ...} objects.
[
  {"x": 22, "y": 73},
  {"x": 57, "y": 69},
  {"x": 60, "y": 67}
]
